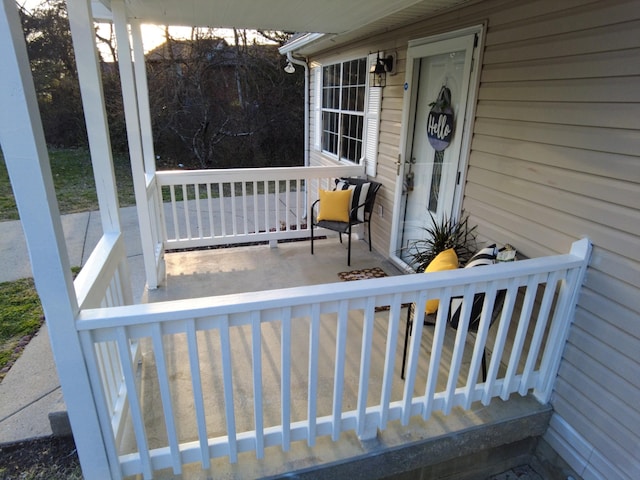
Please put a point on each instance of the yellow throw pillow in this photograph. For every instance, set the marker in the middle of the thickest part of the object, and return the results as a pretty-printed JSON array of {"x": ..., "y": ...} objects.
[
  {"x": 447, "y": 260},
  {"x": 334, "y": 205}
]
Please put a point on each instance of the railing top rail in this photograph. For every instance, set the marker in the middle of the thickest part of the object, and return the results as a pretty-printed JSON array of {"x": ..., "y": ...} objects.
[
  {"x": 100, "y": 267},
  {"x": 272, "y": 299},
  {"x": 167, "y": 177}
]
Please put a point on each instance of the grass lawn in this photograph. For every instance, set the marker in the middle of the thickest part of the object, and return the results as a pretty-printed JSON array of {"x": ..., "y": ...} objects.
[
  {"x": 20, "y": 317},
  {"x": 20, "y": 310},
  {"x": 73, "y": 180}
]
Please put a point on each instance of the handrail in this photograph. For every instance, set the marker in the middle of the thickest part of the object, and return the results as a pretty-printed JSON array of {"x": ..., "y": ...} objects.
[{"x": 94, "y": 284}]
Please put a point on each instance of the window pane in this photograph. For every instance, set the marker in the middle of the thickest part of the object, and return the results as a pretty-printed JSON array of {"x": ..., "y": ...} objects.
[
  {"x": 343, "y": 99},
  {"x": 351, "y": 137},
  {"x": 330, "y": 132}
]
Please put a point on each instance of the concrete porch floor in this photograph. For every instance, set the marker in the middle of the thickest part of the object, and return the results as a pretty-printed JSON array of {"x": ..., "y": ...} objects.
[
  {"x": 244, "y": 269},
  {"x": 222, "y": 271}
]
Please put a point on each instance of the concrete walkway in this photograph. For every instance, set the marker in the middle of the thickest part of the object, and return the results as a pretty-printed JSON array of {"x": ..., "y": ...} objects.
[{"x": 30, "y": 393}]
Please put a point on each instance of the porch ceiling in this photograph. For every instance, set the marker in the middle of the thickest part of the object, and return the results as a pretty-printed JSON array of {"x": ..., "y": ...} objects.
[{"x": 326, "y": 16}]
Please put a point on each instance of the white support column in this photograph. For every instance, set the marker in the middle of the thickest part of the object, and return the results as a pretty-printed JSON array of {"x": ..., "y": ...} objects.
[
  {"x": 88, "y": 65},
  {"x": 25, "y": 152},
  {"x": 144, "y": 111},
  {"x": 134, "y": 134},
  {"x": 142, "y": 90},
  {"x": 89, "y": 74}
]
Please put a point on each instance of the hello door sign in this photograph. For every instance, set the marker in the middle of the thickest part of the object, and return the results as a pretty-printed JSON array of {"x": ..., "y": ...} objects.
[{"x": 440, "y": 121}]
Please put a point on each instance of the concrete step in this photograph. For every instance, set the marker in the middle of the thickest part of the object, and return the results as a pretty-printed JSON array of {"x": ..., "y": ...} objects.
[{"x": 464, "y": 445}]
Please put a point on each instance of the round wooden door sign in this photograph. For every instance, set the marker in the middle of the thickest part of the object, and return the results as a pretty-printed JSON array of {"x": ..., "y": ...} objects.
[{"x": 440, "y": 121}]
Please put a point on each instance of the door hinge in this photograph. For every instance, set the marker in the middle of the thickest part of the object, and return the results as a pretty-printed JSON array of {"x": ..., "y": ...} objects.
[
  {"x": 398, "y": 163},
  {"x": 458, "y": 178}
]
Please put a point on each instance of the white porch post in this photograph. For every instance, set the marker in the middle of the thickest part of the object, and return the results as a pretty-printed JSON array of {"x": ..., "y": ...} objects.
[
  {"x": 24, "y": 148},
  {"x": 89, "y": 74},
  {"x": 156, "y": 215},
  {"x": 136, "y": 147}
]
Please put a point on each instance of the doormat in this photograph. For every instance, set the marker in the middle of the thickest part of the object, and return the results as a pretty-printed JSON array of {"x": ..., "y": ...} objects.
[
  {"x": 365, "y": 274},
  {"x": 362, "y": 274}
]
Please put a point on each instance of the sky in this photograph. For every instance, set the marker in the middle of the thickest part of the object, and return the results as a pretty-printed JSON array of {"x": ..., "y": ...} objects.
[{"x": 152, "y": 35}]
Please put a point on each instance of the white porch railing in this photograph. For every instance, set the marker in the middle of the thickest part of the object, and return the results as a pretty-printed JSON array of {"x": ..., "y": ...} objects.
[
  {"x": 102, "y": 283},
  {"x": 548, "y": 286},
  {"x": 217, "y": 207}
]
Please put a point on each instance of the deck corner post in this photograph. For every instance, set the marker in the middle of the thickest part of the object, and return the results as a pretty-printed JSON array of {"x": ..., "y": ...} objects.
[{"x": 565, "y": 314}]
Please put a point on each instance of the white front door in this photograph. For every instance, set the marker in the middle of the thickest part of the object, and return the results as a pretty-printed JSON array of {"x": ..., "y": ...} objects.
[{"x": 429, "y": 181}]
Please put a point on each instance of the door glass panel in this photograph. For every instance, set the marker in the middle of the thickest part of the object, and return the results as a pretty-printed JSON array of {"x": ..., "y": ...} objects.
[{"x": 430, "y": 176}]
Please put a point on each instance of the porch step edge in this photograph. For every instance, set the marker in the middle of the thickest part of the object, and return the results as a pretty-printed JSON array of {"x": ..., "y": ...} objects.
[{"x": 501, "y": 424}]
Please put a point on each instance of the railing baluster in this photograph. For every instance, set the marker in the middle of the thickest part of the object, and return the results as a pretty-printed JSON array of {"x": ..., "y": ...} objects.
[
  {"x": 234, "y": 216},
  {"x": 412, "y": 356},
  {"x": 256, "y": 217},
  {"x": 285, "y": 382},
  {"x": 198, "y": 210},
  {"x": 437, "y": 346},
  {"x": 256, "y": 352},
  {"x": 523, "y": 324},
  {"x": 538, "y": 334},
  {"x": 501, "y": 337},
  {"x": 103, "y": 405},
  {"x": 221, "y": 201},
  {"x": 134, "y": 402},
  {"x": 165, "y": 395},
  {"x": 276, "y": 204},
  {"x": 298, "y": 207},
  {"x": 338, "y": 385},
  {"x": 266, "y": 206},
  {"x": 365, "y": 359},
  {"x": 198, "y": 398},
  {"x": 314, "y": 334},
  {"x": 210, "y": 208},
  {"x": 245, "y": 216},
  {"x": 479, "y": 345},
  {"x": 458, "y": 349},
  {"x": 108, "y": 375},
  {"x": 174, "y": 209},
  {"x": 185, "y": 204},
  {"x": 390, "y": 357},
  {"x": 227, "y": 374}
]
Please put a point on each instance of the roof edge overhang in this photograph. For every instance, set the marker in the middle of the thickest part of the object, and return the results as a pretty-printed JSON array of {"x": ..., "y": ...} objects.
[{"x": 301, "y": 41}]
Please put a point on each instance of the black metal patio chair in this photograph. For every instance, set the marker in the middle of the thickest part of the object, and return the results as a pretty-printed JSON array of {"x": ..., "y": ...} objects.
[{"x": 360, "y": 210}]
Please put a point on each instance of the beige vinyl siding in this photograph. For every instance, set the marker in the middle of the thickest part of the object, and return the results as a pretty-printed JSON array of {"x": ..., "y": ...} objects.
[{"x": 555, "y": 156}]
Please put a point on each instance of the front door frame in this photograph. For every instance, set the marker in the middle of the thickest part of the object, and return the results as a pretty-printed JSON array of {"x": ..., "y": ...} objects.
[{"x": 415, "y": 51}]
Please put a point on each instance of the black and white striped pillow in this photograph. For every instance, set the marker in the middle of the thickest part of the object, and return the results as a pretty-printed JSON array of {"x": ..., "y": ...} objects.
[
  {"x": 358, "y": 196},
  {"x": 485, "y": 256}
]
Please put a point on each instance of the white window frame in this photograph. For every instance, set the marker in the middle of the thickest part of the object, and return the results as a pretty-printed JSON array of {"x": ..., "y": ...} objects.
[{"x": 343, "y": 113}]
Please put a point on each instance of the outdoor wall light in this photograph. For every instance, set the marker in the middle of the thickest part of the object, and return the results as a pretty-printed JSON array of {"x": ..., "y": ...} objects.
[
  {"x": 289, "y": 68},
  {"x": 380, "y": 69}
]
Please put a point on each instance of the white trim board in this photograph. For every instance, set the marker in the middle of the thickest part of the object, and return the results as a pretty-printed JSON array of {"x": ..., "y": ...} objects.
[{"x": 579, "y": 453}]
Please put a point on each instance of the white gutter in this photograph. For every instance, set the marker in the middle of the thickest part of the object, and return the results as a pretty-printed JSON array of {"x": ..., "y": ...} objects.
[
  {"x": 306, "y": 114},
  {"x": 299, "y": 42},
  {"x": 306, "y": 104}
]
